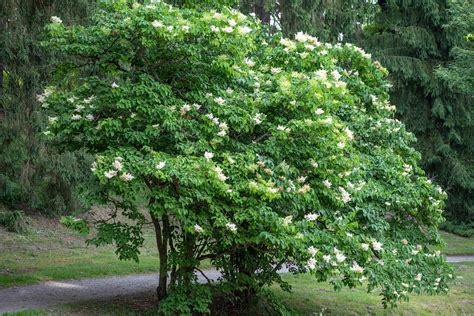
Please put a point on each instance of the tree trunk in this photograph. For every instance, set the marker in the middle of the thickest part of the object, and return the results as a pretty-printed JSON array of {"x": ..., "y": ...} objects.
[
  {"x": 162, "y": 235},
  {"x": 261, "y": 13}
]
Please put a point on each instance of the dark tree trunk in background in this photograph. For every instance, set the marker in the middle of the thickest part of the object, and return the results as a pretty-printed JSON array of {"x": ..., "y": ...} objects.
[{"x": 261, "y": 13}]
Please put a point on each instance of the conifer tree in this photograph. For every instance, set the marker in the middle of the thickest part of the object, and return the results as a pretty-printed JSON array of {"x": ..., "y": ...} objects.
[
  {"x": 32, "y": 176},
  {"x": 422, "y": 43},
  {"x": 329, "y": 20}
]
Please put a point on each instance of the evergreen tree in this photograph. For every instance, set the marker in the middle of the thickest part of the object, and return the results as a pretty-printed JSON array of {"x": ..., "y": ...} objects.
[
  {"x": 32, "y": 176},
  {"x": 431, "y": 70},
  {"x": 329, "y": 20}
]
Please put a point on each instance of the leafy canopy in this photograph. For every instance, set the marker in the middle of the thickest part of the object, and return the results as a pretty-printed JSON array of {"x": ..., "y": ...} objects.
[{"x": 248, "y": 150}]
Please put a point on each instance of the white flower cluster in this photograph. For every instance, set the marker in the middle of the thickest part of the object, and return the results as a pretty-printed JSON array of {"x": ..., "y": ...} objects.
[
  {"x": 356, "y": 268},
  {"x": 160, "y": 165},
  {"x": 57, "y": 20},
  {"x": 198, "y": 229},
  {"x": 232, "y": 24},
  {"x": 117, "y": 166},
  {"x": 311, "y": 217},
  {"x": 43, "y": 96},
  {"x": 311, "y": 263},
  {"x": 223, "y": 127},
  {"x": 345, "y": 196},
  {"x": 220, "y": 174},
  {"x": 231, "y": 226}
]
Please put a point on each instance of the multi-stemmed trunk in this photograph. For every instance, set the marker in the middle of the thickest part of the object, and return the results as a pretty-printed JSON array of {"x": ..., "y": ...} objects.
[{"x": 162, "y": 232}]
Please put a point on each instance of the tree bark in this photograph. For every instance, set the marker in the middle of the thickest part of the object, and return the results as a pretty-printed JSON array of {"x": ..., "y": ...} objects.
[
  {"x": 261, "y": 13},
  {"x": 162, "y": 235}
]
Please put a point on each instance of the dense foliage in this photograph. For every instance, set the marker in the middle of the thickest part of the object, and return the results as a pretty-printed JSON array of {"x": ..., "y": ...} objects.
[
  {"x": 426, "y": 47},
  {"x": 250, "y": 151},
  {"x": 32, "y": 175}
]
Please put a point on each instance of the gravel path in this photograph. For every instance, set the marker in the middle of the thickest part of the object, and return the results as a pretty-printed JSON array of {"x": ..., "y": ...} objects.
[{"x": 53, "y": 293}]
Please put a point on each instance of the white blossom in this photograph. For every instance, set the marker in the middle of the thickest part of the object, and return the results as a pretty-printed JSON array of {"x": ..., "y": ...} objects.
[
  {"x": 356, "y": 268},
  {"x": 110, "y": 174},
  {"x": 160, "y": 165},
  {"x": 365, "y": 247},
  {"x": 89, "y": 99},
  {"x": 76, "y": 117},
  {"x": 301, "y": 179},
  {"x": 312, "y": 251},
  {"x": 117, "y": 165},
  {"x": 198, "y": 229},
  {"x": 273, "y": 190},
  {"x": 218, "y": 16},
  {"x": 321, "y": 74},
  {"x": 287, "y": 220},
  {"x": 305, "y": 188},
  {"x": 156, "y": 23},
  {"x": 327, "y": 258},
  {"x": 311, "y": 264},
  {"x": 350, "y": 135},
  {"x": 249, "y": 62},
  {"x": 220, "y": 175},
  {"x": 345, "y": 196},
  {"x": 301, "y": 37},
  {"x": 418, "y": 277},
  {"x": 208, "y": 155},
  {"x": 56, "y": 19},
  {"x": 214, "y": 29},
  {"x": 341, "y": 145},
  {"x": 227, "y": 29},
  {"x": 219, "y": 100},
  {"x": 127, "y": 177},
  {"x": 90, "y": 117},
  {"x": 340, "y": 257},
  {"x": 327, "y": 183},
  {"x": 243, "y": 30},
  {"x": 311, "y": 216},
  {"x": 185, "y": 109},
  {"x": 319, "y": 111},
  {"x": 376, "y": 245},
  {"x": 326, "y": 121},
  {"x": 257, "y": 118},
  {"x": 114, "y": 85},
  {"x": 336, "y": 75},
  {"x": 231, "y": 226},
  {"x": 275, "y": 70}
]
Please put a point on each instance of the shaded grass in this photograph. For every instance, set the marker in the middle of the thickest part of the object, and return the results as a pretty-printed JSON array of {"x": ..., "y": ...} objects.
[
  {"x": 60, "y": 264},
  {"x": 55, "y": 253},
  {"x": 457, "y": 245}
]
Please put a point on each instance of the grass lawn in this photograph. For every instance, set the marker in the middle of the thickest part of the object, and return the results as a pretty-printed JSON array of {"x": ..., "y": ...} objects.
[
  {"x": 310, "y": 298},
  {"x": 51, "y": 252},
  {"x": 307, "y": 298},
  {"x": 457, "y": 245}
]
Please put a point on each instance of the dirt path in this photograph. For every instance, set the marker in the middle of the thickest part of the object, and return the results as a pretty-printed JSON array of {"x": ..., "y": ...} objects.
[{"x": 53, "y": 293}]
